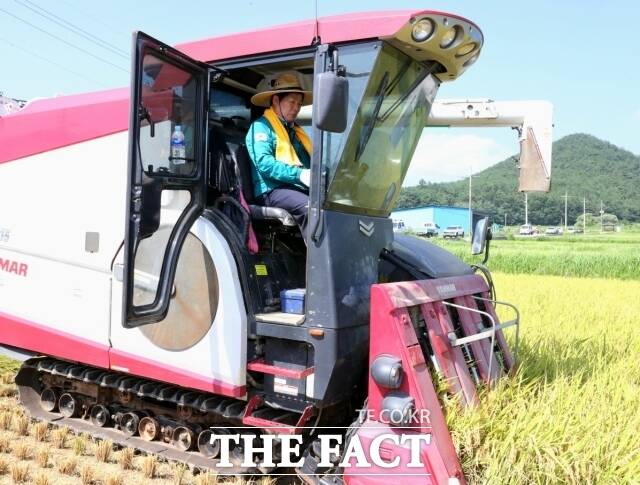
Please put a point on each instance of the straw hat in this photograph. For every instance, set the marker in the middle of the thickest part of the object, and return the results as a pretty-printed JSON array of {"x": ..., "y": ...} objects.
[{"x": 284, "y": 83}]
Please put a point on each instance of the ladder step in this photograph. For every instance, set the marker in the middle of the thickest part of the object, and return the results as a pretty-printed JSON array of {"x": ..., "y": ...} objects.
[{"x": 259, "y": 365}]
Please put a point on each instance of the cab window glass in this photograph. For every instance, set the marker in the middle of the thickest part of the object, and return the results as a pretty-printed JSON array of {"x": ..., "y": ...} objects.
[{"x": 168, "y": 119}]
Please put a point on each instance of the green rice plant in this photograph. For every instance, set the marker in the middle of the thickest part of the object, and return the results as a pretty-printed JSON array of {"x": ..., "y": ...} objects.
[{"x": 80, "y": 444}]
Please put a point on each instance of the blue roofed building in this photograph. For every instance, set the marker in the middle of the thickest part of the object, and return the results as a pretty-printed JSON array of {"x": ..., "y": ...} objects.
[{"x": 415, "y": 218}]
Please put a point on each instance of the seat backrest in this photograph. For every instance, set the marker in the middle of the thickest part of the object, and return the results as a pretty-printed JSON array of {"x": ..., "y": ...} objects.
[{"x": 243, "y": 169}]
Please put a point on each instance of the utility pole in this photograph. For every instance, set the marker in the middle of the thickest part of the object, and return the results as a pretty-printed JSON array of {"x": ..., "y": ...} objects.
[
  {"x": 526, "y": 209},
  {"x": 584, "y": 215},
  {"x": 505, "y": 219},
  {"x": 601, "y": 214},
  {"x": 566, "y": 197},
  {"x": 470, "y": 213}
]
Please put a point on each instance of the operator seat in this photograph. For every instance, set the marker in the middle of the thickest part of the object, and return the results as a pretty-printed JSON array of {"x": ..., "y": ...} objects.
[{"x": 243, "y": 167}]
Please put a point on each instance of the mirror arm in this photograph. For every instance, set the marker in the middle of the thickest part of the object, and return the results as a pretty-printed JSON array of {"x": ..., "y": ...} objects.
[
  {"x": 486, "y": 247},
  {"x": 143, "y": 114}
]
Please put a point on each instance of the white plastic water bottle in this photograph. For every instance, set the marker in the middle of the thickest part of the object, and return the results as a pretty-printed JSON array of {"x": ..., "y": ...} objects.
[{"x": 178, "y": 148}]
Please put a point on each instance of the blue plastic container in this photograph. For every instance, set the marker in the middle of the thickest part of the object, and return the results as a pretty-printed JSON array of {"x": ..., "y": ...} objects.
[{"x": 292, "y": 301}]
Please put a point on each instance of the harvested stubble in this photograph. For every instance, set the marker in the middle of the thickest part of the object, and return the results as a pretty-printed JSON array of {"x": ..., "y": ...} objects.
[
  {"x": 206, "y": 479},
  {"x": 6, "y": 420},
  {"x": 40, "y": 431},
  {"x": 149, "y": 466},
  {"x": 4, "y": 466},
  {"x": 103, "y": 450},
  {"x": 5, "y": 444},
  {"x": 19, "y": 472},
  {"x": 179, "y": 470},
  {"x": 59, "y": 437},
  {"x": 569, "y": 414},
  {"x": 87, "y": 474},
  {"x": 42, "y": 456},
  {"x": 41, "y": 478},
  {"x": 114, "y": 479},
  {"x": 22, "y": 451},
  {"x": 21, "y": 425},
  {"x": 67, "y": 466},
  {"x": 125, "y": 458}
]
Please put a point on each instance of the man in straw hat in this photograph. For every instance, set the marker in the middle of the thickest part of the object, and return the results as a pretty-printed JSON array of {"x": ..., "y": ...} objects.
[{"x": 280, "y": 149}]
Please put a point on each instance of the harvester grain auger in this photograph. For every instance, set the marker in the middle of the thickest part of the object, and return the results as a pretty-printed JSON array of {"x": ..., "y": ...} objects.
[{"x": 143, "y": 315}]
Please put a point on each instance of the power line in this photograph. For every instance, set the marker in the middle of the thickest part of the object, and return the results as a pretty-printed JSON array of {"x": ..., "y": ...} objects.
[
  {"x": 73, "y": 28},
  {"x": 51, "y": 62},
  {"x": 98, "y": 21},
  {"x": 63, "y": 41}
]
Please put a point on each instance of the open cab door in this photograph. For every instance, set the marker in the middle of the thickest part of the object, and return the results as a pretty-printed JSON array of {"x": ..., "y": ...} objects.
[{"x": 166, "y": 177}]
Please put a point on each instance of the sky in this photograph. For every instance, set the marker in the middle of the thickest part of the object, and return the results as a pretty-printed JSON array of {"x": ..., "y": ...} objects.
[{"x": 582, "y": 56}]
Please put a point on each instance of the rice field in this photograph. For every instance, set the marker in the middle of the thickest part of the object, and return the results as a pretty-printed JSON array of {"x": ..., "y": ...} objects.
[
  {"x": 588, "y": 256},
  {"x": 571, "y": 412}
]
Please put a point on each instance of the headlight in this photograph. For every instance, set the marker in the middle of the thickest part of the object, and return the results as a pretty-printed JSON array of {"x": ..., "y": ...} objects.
[
  {"x": 386, "y": 371},
  {"x": 450, "y": 36},
  {"x": 422, "y": 30},
  {"x": 400, "y": 408},
  {"x": 466, "y": 49}
]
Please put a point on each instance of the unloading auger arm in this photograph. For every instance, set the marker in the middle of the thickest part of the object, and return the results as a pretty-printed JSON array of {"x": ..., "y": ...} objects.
[{"x": 532, "y": 119}]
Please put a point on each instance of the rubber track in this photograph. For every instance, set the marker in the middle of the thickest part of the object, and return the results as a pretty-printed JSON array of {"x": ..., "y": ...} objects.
[{"x": 29, "y": 387}]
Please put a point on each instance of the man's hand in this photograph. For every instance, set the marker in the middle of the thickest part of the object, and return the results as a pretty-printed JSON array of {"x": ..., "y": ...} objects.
[{"x": 305, "y": 176}]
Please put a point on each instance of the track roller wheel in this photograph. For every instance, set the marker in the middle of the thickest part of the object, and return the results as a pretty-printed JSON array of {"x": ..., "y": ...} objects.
[
  {"x": 100, "y": 415},
  {"x": 205, "y": 446},
  {"x": 149, "y": 428},
  {"x": 183, "y": 438},
  {"x": 68, "y": 405},
  {"x": 129, "y": 423},
  {"x": 49, "y": 399}
]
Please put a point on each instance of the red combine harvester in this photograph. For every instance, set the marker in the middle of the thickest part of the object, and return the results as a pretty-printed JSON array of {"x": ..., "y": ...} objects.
[{"x": 130, "y": 292}]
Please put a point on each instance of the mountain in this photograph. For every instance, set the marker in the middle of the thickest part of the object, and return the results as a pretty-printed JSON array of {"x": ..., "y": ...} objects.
[{"x": 583, "y": 166}]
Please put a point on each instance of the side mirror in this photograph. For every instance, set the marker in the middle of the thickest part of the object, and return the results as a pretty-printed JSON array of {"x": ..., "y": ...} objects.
[
  {"x": 330, "y": 99},
  {"x": 479, "y": 239}
]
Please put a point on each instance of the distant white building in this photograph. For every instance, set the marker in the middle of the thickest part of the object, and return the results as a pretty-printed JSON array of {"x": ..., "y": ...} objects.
[{"x": 8, "y": 105}]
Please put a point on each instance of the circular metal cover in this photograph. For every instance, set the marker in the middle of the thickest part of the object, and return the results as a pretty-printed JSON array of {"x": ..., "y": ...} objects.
[{"x": 194, "y": 302}]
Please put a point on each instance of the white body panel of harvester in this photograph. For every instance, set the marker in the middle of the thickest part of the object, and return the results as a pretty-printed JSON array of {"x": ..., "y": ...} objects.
[{"x": 59, "y": 284}]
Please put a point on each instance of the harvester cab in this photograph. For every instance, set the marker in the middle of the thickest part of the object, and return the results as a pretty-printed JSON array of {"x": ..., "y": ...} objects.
[{"x": 220, "y": 313}]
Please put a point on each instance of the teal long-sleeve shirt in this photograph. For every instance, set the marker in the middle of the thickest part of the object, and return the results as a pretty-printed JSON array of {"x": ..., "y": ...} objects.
[{"x": 269, "y": 173}]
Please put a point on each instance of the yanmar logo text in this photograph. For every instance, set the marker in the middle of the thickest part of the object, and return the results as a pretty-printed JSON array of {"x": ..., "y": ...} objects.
[{"x": 13, "y": 267}]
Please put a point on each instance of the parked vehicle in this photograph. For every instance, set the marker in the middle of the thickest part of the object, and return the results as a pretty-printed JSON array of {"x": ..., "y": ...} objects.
[
  {"x": 553, "y": 231},
  {"x": 398, "y": 226},
  {"x": 453, "y": 231},
  {"x": 526, "y": 230},
  {"x": 430, "y": 229}
]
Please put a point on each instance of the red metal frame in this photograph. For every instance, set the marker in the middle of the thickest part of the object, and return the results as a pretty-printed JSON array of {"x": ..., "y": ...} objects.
[
  {"x": 259, "y": 365},
  {"x": 270, "y": 426},
  {"x": 392, "y": 332}
]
